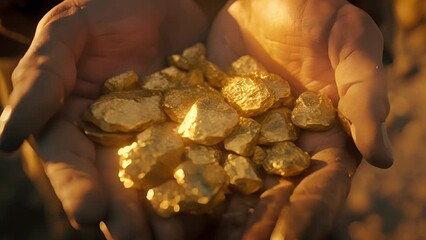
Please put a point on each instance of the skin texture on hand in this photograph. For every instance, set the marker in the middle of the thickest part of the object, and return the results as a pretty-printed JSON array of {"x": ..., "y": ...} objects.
[{"x": 326, "y": 46}]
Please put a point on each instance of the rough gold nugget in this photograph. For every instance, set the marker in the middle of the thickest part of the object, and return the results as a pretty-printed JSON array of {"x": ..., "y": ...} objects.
[
  {"x": 244, "y": 65},
  {"x": 209, "y": 121},
  {"x": 108, "y": 139},
  {"x": 242, "y": 175},
  {"x": 244, "y": 138},
  {"x": 200, "y": 154},
  {"x": 166, "y": 197},
  {"x": 131, "y": 111},
  {"x": 248, "y": 94},
  {"x": 313, "y": 111},
  {"x": 277, "y": 126},
  {"x": 152, "y": 158},
  {"x": 203, "y": 185},
  {"x": 259, "y": 156},
  {"x": 280, "y": 87},
  {"x": 125, "y": 81},
  {"x": 164, "y": 80},
  {"x": 286, "y": 159}
]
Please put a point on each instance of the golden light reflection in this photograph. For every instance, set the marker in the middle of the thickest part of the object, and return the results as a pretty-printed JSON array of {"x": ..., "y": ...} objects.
[
  {"x": 124, "y": 151},
  {"x": 150, "y": 194},
  {"x": 179, "y": 175}
]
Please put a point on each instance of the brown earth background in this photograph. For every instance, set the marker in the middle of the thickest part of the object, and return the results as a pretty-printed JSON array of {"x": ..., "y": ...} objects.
[{"x": 383, "y": 204}]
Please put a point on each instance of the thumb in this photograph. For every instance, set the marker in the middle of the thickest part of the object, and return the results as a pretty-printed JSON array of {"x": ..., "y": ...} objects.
[{"x": 44, "y": 76}]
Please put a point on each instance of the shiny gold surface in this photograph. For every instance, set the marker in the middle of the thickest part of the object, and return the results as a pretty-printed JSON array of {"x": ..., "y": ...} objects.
[
  {"x": 122, "y": 82},
  {"x": 209, "y": 121},
  {"x": 244, "y": 138},
  {"x": 248, "y": 94},
  {"x": 126, "y": 112},
  {"x": 168, "y": 78},
  {"x": 108, "y": 139},
  {"x": 286, "y": 159},
  {"x": 200, "y": 154},
  {"x": 152, "y": 157},
  {"x": 313, "y": 111},
  {"x": 280, "y": 87},
  {"x": 242, "y": 175},
  {"x": 165, "y": 198},
  {"x": 277, "y": 126},
  {"x": 245, "y": 64},
  {"x": 214, "y": 75},
  {"x": 203, "y": 186}
]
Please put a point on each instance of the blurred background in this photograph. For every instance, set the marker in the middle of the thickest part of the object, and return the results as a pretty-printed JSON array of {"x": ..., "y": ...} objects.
[{"x": 383, "y": 204}]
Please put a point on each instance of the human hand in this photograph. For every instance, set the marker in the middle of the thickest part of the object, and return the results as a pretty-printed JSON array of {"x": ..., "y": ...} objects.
[
  {"x": 77, "y": 46},
  {"x": 324, "y": 46}
]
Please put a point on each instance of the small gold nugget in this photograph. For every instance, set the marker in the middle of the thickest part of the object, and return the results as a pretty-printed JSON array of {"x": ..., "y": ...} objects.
[
  {"x": 108, "y": 139},
  {"x": 245, "y": 64},
  {"x": 280, "y": 87},
  {"x": 177, "y": 102},
  {"x": 242, "y": 175},
  {"x": 164, "y": 80},
  {"x": 286, "y": 159},
  {"x": 209, "y": 121},
  {"x": 152, "y": 158},
  {"x": 190, "y": 57},
  {"x": 131, "y": 111},
  {"x": 166, "y": 197},
  {"x": 200, "y": 154},
  {"x": 122, "y": 82},
  {"x": 313, "y": 111},
  {"x": 203, "y": 185},
  {"x": 259, "y": 156},
  {"x": 214, "y": 75},
  {"x": 277, "y": 126},
  {"x": 244, "y": 138},
  {"x": 248, "y": 94}
]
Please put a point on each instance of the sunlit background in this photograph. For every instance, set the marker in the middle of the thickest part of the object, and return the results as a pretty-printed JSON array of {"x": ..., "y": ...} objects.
[{"x": 383, "y": 204}]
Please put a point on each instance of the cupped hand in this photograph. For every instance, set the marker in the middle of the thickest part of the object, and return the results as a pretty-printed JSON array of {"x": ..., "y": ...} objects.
[
  {"x": 324, "y": 46},
  {"x": 77, "y": 46}
]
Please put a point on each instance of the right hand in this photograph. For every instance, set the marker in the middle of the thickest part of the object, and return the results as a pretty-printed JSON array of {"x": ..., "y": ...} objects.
[{"x": 77, "y": 46}]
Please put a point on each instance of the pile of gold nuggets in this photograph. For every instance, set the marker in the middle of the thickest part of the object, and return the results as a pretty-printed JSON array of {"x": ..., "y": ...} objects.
[{"x": 191, "y": 134}]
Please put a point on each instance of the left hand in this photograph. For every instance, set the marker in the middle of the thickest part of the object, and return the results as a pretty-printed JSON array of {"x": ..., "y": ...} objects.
[{"x": 323, "y": 46}]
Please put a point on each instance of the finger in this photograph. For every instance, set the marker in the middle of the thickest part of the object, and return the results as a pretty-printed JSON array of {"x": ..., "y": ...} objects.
[
  {"x": 126, "y": 218},
  {"x": 317, "y": 197},
  {"x": 356, "y": 48},
  {"x": 170, "y": 228},
  {"x": 266, "y": 213},
  {"x": 68, "y": 158},
  {"x": 44, "y": 76}
]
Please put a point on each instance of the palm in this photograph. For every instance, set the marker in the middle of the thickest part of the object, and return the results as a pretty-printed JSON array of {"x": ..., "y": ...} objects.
[{"x": 292, "y": 39}]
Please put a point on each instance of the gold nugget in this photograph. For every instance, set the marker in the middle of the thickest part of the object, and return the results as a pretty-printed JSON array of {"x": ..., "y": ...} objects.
[
  {"x": 131, "y": 111},
  {"x": 203, "y": 186},
  {"x": 165, "y": 198},
  {"x": 286, "y": 159},
  {"x": 242, "y": 175},
  {"x": 214, "y": 75},
  {"x": 244, "y": 138},
  {"x": 313, "y": 111},
  {"x": 280, "y": 87},
  {"x": 277, "y": 126},
  {"x": 248, "y": 94},
  {"x": 122, "y": 82},
  {"x": 200, "y": 154},
  {"x": 108, "y": 139},
  {"x": 177, "y": 102},
  {"x": 244, "y": 65},
  {"x": 259, "y": 156},
  {"x": 151, "y": 159},
  {"x": 209, "y": 121},
  {"x": 164, "y": 80}
]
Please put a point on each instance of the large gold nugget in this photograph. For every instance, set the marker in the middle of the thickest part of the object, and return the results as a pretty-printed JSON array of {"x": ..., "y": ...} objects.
[
  {"x": 286, "y": 159},
  {"x": 242, "y": 175},
  {"x": 152, "y": 158},
  {"x": 277, "y": 127},
  {"x": 245, "y": 64},
  {"x": 280, "y": 87},
  {"x": 177, "y": 102},
  {"x": 165, "y": 198},
  {"x": 122, "y": 82},
  {"x": 313, "y": 111},
  {"x": 203, "y": 186},
  {"x": 209, "y": 121},
  {"x": 108, "y": 139},
  {"x": 248, "y": 94},
  {"x": 164, "y": 80},
  {"x": 126, "y": 112},
  {"x": 244, "y": 138},
  {"x": 200, "y": 154},
  {"x": 214, "y": 75}
]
